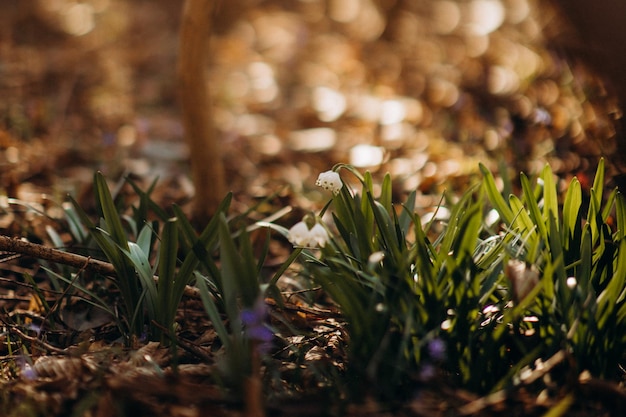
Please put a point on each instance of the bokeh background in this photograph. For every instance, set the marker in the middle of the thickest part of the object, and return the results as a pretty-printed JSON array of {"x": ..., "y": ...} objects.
[{"x": 423, "y": 89}]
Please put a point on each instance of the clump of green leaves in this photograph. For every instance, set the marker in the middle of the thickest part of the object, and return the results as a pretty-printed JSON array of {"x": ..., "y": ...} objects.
[
  {"x": 166, "y": 256},
  {"x": 399, "y": 291},
  {"x": 462, "y": 296},
  {"x": 404, "y": 288},
  {"x": 580, "y": 254},
  {"x": 150, "y": 277}
]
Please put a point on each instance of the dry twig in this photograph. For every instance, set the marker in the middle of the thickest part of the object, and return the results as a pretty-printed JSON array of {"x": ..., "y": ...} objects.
[{"x": 34, "y": 250}]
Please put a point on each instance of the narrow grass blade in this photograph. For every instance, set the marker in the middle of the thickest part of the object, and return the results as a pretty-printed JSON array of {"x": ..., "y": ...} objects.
[
  {"x": 168, "y": 295},
  {"x": 550, "y": 201},
  {"x": 109, "y": 211},
  {"x": 572, "y": 214},
  {"x": 214, "y": 315},
  {"x": 495, "y": 197}
]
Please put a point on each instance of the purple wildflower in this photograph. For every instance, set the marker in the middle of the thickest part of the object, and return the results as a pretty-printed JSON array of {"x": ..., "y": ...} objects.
[
  {"x": 255, "y": 325},
  {"x": 27, "y": 371},
  {"x": 427, "y": 372},
  {"x": 437, "y": 349}
]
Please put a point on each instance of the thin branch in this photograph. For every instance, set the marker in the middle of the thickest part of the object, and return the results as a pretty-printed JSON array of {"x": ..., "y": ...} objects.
[
  {"x": 34, "y": 250},
  {"x": 38, "y": 341}
]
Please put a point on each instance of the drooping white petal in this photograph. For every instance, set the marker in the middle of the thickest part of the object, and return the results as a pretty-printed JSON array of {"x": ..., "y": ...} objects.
[
  {"x": 318, "y": 236},
  {"x": 299, "y": 234},
  {"x": 330, "y": 180}
]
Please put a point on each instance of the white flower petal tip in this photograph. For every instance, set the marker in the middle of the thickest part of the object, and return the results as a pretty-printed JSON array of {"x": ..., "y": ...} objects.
[
  {"x": 300, "y": 235},
  {"x": 330, "y": 180},
  {"x": 318, "y": 235}
]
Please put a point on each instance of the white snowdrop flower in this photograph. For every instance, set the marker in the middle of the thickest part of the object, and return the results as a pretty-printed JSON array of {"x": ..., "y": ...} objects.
[
  {"x": 318, "y": 236},
  {"x": 299, "y": 234},
  {"x": 330, "y": 180}
]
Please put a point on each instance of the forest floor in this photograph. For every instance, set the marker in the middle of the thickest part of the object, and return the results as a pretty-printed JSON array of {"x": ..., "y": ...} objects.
[{"x": 423, "y": 90}]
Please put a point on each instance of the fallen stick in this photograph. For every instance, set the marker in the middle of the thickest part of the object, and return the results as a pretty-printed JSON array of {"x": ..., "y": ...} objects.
[{"x": 34, "y": 250}]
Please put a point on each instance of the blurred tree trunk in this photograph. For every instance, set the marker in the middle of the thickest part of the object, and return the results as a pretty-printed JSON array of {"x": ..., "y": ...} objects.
[{"x": 207, "y": 168}]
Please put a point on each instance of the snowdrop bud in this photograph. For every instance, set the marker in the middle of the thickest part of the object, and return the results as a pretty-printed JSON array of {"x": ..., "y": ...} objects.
[{"x": 330, "y": 180}]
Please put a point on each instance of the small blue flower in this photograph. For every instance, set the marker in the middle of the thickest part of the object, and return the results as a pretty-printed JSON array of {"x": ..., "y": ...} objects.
[
  {"x": 437, "y": 349},
  {"x": 255, "y": 325},
  {"x": 427, "y": 372},
  {"x": 27, "y": 371}
]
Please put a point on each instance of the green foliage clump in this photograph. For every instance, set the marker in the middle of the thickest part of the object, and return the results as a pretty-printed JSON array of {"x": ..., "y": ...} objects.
[
  {"x": 486, "y": 289},
  {"x": 477, "y": 304},
  {"x": 154, "y": 270}
]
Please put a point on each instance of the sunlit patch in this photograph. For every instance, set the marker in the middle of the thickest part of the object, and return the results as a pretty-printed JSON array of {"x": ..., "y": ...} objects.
[
  {"x": 484, "y": 16},
  {"x": 476, "y": 45},
  {"x": 328, "y": 103},
  {"x": 367, "y": 107},
  {"x": 391, "y": 112},
  {"x": 429, "y": 169},
  {"x": 312, "y": 140},
  {"x": 523, "y": 277},
  {"x": 492, "y": 217},
  {"x": 401, "y": 167},
  {"x": 126, "y": 135},
  {"x": 441, "y": 214},
  {"x": 442, "y": 92},
  {"x": 491, "y": 309},
  {"x": 262, "y": 82},
  {"x": 446, "y": 16},
  {"x": 268, "y": 145},
  {"x": 528, "y": 62},
  {"x": 492, "y": 140},
  {"x": 312, "y": 74},
  {"x": 517, "y": 11},
  {"x": 446, "y": 324},
  {"x": 395, "y": 135},
  {"x": 344, "y": 11},
  {"x": 449, "y": 167},
  {"x": 502, "y": 80},
  {"x": 571, "y": 282},
  {"x": 12, "y": 154},
  {"x": 78, "y": 19},
  {"x": 362, "y": 19},
  {"x": 366, "y": 156},
  {"x": 237, "y": 84},
  {"x": 254, "y": 124},
  {"x": 277, "y": 35},
  {"x": 376, "y": 258}
]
